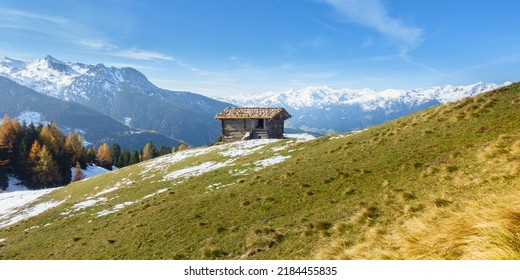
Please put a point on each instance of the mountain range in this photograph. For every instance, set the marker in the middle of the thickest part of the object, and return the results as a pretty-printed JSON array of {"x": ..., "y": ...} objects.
[
  {"x": 124, "y": 94},
  {"x": 327, "y": 110},
  {"x": 30, "y": 106}
]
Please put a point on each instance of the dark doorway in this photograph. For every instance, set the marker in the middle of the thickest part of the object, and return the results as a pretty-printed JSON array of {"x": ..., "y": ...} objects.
[{"x": 260, "y": 124}]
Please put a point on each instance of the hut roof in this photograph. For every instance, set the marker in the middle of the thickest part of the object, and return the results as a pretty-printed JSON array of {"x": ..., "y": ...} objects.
[{"x": 252, "y": 113}]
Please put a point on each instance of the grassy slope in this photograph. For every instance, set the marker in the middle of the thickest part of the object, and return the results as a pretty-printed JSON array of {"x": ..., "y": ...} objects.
[{"x": 438, "y": 184}]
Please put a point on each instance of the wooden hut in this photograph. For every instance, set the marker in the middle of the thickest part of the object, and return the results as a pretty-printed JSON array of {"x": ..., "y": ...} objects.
[{"x": 252, "y": 123}]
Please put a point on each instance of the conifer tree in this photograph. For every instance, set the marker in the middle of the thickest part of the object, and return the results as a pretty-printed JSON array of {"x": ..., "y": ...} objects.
[
  {"x": 164, "y": 150},
  {"x": 34, "y": 155},
  {"x": 46, "y": 172},
  {"x": 148, "y": 152},
  {"x": 182, "y": 147},
  {"x": 115, "y": 153},
  {"x": 9, "y": 130},
  {"x": 54, "y": 140},
  {"x": 74, "y": 146},
  {"x": 24, "y": 140},
  {"x": 91, "y": 155},
  {"x": 78, "y": 173},
  {"x": 124, "y": 158},
  {"x": 134, "y": 158},
  {"x": 103, "y": 157}
]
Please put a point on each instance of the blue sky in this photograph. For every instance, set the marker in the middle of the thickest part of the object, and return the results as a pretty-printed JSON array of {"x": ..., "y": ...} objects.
[{"x": 244, "y": 47}]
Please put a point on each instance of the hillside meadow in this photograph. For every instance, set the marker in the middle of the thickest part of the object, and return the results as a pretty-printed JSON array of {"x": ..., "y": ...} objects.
[{"x": 438, "y": 184}]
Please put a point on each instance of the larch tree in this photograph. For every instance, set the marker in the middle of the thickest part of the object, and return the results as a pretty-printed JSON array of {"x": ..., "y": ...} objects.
[
  {"x": 78, "y": 173},
  {"x": 52, "y": 137},
  {"x": 34, "y": 154},
  {"x": 182, "y": 147},
  {"x": 103, "y": 157},
  {"x": 148, "y": 152},
  {"x": 74, "y": 146},
  {"x": 46, "y": 172},
  {"x": 9, "y": 130}
]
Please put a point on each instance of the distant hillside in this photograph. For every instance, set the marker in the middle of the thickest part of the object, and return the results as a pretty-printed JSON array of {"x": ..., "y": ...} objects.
[
  {"x": 442, "y": 183},
  {"x": 26, "y": 104},
  {"x": 327, "y": 110},
  {"x": 122, "y": 93}
]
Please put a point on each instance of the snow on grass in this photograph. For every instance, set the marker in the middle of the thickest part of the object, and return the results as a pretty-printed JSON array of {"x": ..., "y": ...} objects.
[
  {"x": 28, "y": 213},
  {"x": 198, "y": 170},
  {"x": 114, "y": 209},
  {"x": 108, "y": 190},
  {"x": 164, "y": 162},
  {"x": 339, "y": 136},
  {"x": 300, "y": 137},
  {"x": 261, "y": 164},
  {"x": 238, "y": 172},
  {"x": 243, "y": 148},
  {"x": 217, "y": 186},
  {"x": 92, "y": 170},
  {"x": 235, "y": 149},
  {"x": 120, "y": 206},
  {"x": 14, "y": 200},
  {"x": 87, "y": 203},
  {"x": 155, "y": 193}
]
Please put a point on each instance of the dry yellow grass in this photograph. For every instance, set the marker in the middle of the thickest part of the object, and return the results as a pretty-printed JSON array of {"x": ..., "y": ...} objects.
[{"x": 485, "y": 225}]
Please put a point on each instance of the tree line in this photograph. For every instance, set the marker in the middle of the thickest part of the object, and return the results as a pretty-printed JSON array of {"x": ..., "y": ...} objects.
[{"x": 42, "y": 156}]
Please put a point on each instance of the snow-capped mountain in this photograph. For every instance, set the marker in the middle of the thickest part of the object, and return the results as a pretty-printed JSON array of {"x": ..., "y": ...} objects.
[
  {"x": 122, "y": 93},
  {"x": 29, "y": 106},
  {"x": 324, "y": 109},
  {"x": 47, "y": 75}
]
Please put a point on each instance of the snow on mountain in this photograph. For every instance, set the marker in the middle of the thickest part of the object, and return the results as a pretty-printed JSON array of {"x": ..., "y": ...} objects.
[
  {"x": 369, "y": 99},
  {"x": 124, "y": 94},
  {"x": 47, "y": 75},
  {"x": 325, "y": 110}
]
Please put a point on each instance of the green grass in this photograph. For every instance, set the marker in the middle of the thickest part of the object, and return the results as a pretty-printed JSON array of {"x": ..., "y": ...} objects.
[{"x": 438, "y": 184}]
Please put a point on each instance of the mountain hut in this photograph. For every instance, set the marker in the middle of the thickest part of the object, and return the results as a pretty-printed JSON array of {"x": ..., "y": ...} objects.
[{"x": 252, "y": 123}]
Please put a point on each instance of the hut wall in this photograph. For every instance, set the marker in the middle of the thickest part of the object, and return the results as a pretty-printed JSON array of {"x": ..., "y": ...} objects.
[{"x": 235, "y": 129}]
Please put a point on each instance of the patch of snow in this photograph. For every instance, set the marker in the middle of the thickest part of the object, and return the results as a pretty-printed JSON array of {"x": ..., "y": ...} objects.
[
  {"x": 127, "y": 121},
  {"x": 114, "y": 209},
  {"x": 242, "y": 148},
  {"x": 198, "y": 170},
  {"x": 217, "y": 186},
  {"x": 261, "y": 164},
  {"x": 301, "y": 137},
  {"x": 87, "y": 203},
  {"x": 105, "y": 191},
  {"x": 155, "y": 193},
  {"x": 339, "y": 136},
  {"x": 12, "y": 202},
  {"x": 14, "y": 185},
  {"x": 163, "y": 162},
  {"x": 238, "y": 172},
  {"x": 93, "y": 170},
  {"x": 28, "y": 213},
  {"x": 17, "y": 196},
  {"x": 31, "y": 117}
]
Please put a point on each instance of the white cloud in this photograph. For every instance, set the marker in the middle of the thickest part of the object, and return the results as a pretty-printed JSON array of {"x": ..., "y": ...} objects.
[
  {"x": 142, "y": 55},
  {"x": 373, "y": 14},
  {"x": 11, "y": 15}
]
